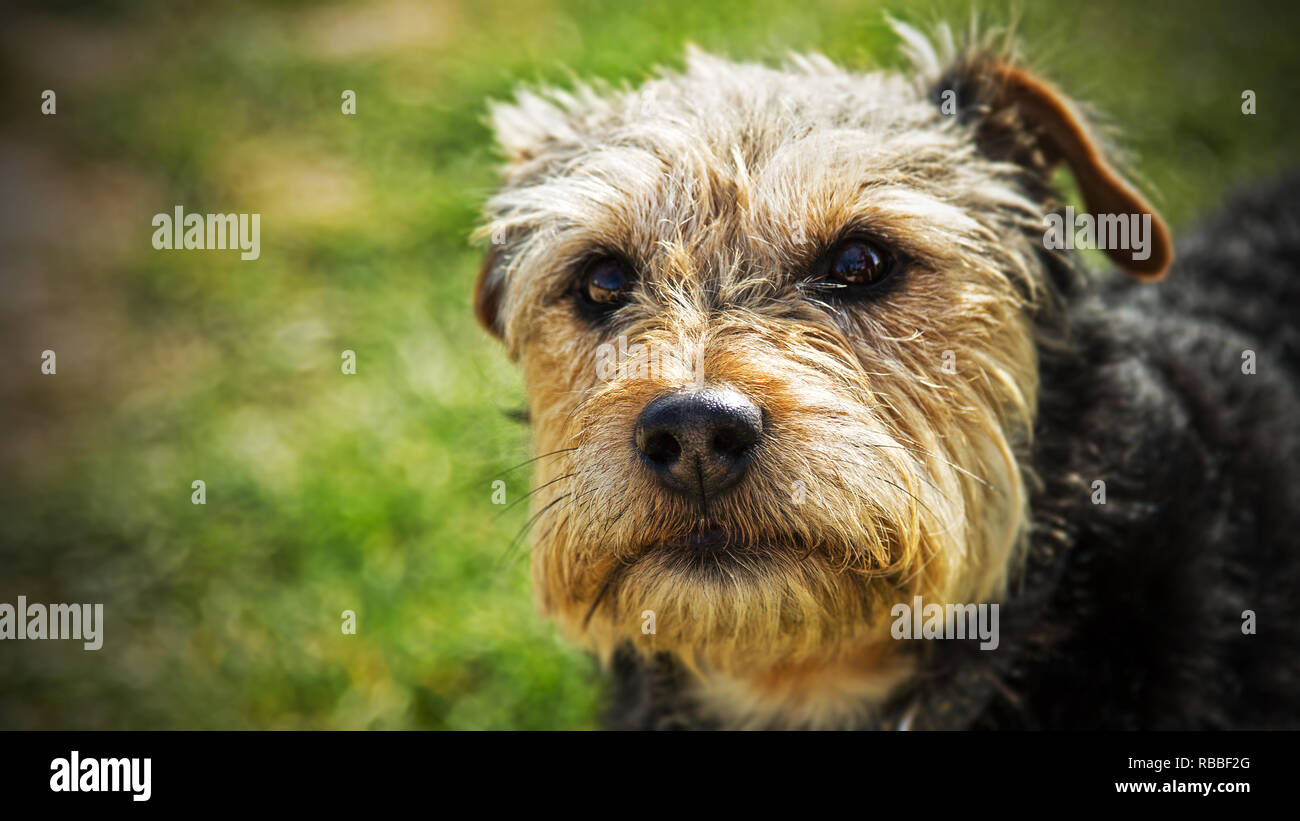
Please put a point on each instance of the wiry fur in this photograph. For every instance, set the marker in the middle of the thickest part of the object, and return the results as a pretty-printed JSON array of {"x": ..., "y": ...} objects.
[{"x": 721, "y": 185}]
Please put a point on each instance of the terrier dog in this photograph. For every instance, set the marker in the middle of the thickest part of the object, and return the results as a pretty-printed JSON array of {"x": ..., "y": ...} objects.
[{"x": 804, "y": 350}]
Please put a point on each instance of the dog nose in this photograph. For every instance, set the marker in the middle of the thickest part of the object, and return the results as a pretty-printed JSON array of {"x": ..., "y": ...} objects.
[{"x": 699, "y": 441}]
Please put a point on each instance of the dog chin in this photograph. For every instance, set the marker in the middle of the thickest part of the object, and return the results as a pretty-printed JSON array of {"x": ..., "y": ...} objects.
[{"x": 763, "y": 624}]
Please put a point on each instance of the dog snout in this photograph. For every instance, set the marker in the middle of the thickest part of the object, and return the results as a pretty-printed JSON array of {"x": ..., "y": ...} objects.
[{"x": 699, "y": 442}]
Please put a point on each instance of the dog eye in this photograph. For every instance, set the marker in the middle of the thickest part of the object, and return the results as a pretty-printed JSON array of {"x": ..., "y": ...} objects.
[
  {"x": 856, "y": 262},
  {"x": 606, "y": 282}
]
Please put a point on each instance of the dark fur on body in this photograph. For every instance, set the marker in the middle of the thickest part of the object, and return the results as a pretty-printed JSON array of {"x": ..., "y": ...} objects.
[{"x": 1129, "y": 614}]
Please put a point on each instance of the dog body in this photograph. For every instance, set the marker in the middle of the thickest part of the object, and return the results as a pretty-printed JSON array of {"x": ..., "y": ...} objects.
[{"x": 798, "y": 352}]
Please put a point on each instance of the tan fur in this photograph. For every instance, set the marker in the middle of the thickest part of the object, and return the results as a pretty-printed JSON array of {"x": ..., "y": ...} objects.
[{"x": 720, "y": 185}]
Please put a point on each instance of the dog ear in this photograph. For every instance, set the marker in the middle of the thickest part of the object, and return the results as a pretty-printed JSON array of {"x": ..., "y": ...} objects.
[
  {"x": 533, "y": 130},
  {"x": 543, "y": 125},
  {"x": 489, "y": 290},
  {"x": 1024, "y": 119}
]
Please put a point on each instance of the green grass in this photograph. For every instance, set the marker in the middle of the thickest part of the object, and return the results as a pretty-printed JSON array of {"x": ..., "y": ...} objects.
[{"x": 372, "y": 492}]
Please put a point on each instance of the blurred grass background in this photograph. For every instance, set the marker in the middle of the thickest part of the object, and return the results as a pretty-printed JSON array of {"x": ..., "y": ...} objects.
[{"x": 372, "y": 492}]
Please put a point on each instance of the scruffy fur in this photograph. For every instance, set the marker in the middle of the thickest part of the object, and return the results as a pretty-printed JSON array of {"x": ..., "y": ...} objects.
[{"x": 938, "y": 440}]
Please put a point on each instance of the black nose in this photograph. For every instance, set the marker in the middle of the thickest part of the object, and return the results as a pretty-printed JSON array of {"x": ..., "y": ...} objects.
[{"x": 699, "y": 441}]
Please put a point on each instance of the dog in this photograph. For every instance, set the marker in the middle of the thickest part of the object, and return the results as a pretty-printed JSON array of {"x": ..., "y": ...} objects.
[{"x": 804, "y": 350}]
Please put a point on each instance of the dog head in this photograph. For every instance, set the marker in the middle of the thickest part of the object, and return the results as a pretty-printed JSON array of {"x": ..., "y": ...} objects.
[{"x": 777, "y": 328}]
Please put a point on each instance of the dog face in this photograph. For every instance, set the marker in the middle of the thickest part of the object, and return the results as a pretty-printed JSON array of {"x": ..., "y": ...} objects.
[{"x": 777, "y": 329}]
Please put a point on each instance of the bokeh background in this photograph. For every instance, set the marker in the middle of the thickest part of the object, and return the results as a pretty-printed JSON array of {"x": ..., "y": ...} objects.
[{"x": 372, "y": 492}]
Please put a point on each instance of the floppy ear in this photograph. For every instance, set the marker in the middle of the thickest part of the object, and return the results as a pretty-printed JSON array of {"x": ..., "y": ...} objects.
[
  {"x": 1026, "y": 120},
  {"x": 488, "y": 292}
]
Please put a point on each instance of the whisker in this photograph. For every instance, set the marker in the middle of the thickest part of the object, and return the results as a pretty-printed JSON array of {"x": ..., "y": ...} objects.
[
  {"x": 534, "y": 490},
  {"x": 923, "y": 452},
  {"x": 530, "y": 461},
  {"x": 532, "y": 521}
]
